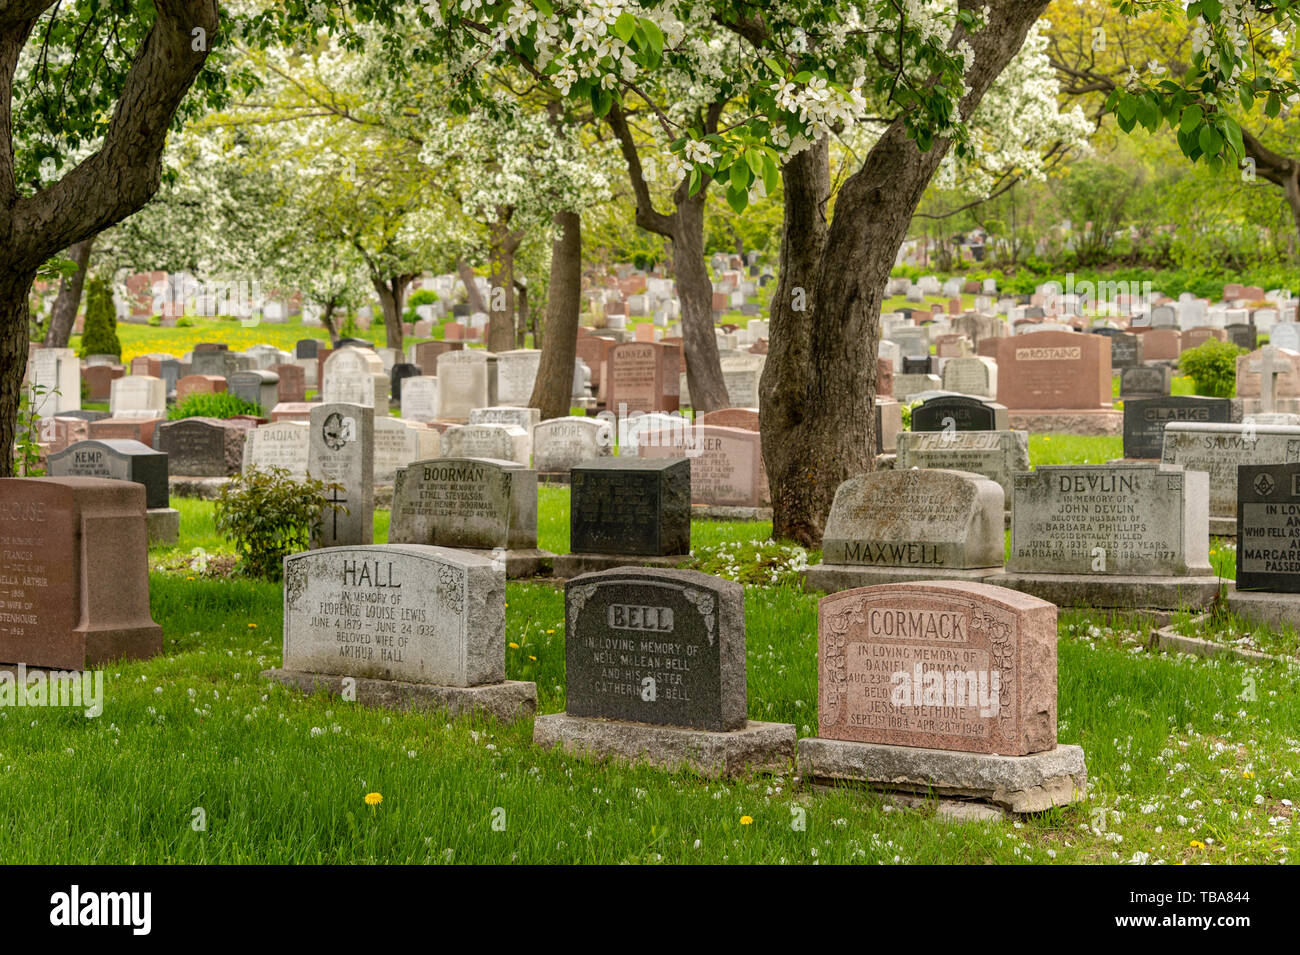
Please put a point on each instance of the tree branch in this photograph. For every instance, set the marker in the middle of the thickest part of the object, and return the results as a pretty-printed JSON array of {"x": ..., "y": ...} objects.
[
  {"x": 124, "y": 174},
  {"x": 647, "y": 216}
]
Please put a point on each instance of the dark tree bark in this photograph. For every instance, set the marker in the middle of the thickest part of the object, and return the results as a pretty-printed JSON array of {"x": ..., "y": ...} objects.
[
  {"x": 553, "y": 388},
  {"x": 392, "y": 293},
  {"x": 685, "y": 227},
  {"x": 817, "y": 413},
  {"x": 521, "y": 314},
  {"x": 64, "y": 314},
  {"x": 327, "y": 320},
  {"x": 501, "y": 283},
  {"x": 473, "y": 297},
  {"x": 104, "y": 188}
]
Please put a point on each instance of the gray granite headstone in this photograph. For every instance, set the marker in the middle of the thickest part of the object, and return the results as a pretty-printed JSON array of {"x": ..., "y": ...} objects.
[
  {"x": 665, "y": 647},
  {"x": 117, "y": 459},
  {"x": 1126, "y": 519},
  {"x": 395, "y": 612},
  {"x": 476, "y": 503},
  {"x": 342, "y": 452}
]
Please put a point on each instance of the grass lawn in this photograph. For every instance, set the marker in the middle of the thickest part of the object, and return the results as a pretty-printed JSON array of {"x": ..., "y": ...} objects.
[{"x": 1181, "y": 767}]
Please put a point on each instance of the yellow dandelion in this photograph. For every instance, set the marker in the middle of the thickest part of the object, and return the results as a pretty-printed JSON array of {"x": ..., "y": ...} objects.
[
  {"x": 1197, "y": 844},
  {"x": 1247, "y": 774},
  {"x": 374, "y": 799},
  {"x": 550, "y": 631},
  {"x": 1047, "y": 437},
  {"x": 534, "y": 659},
  {"x": 514, "y": 646},
  {"x": 252, "y": 626},
  {"x": 746, "y": 820}
]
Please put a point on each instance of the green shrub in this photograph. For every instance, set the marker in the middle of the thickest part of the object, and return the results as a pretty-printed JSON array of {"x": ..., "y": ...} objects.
[
  {"x": 1213, "y": 367},
  {"x": 184, "y": 322},
  {"x": 99, "y": 336},
  {"x": 212, "y": 406},
  {"x": 268, "y": 515}
]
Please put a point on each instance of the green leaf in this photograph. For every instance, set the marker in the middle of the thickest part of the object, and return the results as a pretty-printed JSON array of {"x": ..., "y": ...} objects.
[
  {"x": 695, "y": 180},
  {"x": 738, "y": 199},
  {"x": 1272, "y": 106},
  {"x": 740, "y": 176},
  {"x": 625, "y": 26},
  {"x": 1209, "y": 140},
  {"x": 1232, "y": 133},
  {"x": 654, "y": 35},
  {"x": 771, "y": 175},
  {"x": 544, "y": 7},
  {"x": 1191, "y": 118},
  {"x": 601, "y": 100},
  {"x": 755, "y": 160},
  {"x": 1247, "y": 98}
]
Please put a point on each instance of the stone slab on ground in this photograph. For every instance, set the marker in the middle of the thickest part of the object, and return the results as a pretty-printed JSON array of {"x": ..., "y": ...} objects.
[
  {"x": 1020, "y": 784},
  {"x": 759, "y": 747},
  {"x": 717, "y": 512},
  {"x": 163, "y": 524},
  {"x": 507, "y": 701},
  {"x": 571, "y": 565},
  {"x": 1169, "y": 639},
  {"x": 1068, "y": 422},
  {"x": 529, "y": 562},
  {"x": 832, "y": 578},
  {"x": 1115, "y": 591},
  {"x": 1223, "y": 526}
]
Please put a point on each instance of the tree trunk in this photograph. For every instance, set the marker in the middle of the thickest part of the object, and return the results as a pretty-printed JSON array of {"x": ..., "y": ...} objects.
[
  {"x": 327, "y": 320},
  {"x": 15, "y": 321},
  {"x": 553, "y": 389},
  {"x": 501, "y": 284},
  {"x": 521, "y": 314},
  {"x": 695, "y": 291},
  {"x": 817, "y": 415},
  {"x": 64, "y": 314},
  {"x": 392, "y": 291},
  {"x": 472, "y": 294},
  {"x": 685, "y": 227}
]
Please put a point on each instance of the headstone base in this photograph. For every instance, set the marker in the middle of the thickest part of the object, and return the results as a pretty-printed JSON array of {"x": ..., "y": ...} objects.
[
  {"x": 519, "y": 563},
  {"x": 1019, "y": 784},
  {"x": 1270, "y": 609},
  {"x": 721, "y": 512},
  {"x": 759, "y": 747},
  {"x": 1168, "y": 638},
  {"x": 164, "y": 525},
  {"x": 571, "y": 565},
  {"x": 831, "y": 578},
  {"x": 1099, "y": 422},
  {"x": 506, "y": 701},
  {"x": 1254, "y": 406},
  {"x": 1115, "y": 591},
  {"x": 1223, "y": 526}
]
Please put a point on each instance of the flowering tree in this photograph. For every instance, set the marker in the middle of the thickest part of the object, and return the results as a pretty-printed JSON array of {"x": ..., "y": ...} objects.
[
  {"x": 1226, "y": 87},
  {"x": 794, "y": 74}
]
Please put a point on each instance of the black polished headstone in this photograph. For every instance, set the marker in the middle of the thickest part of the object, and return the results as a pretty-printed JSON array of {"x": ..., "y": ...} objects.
[
  {"x": 656, "y": 646},
  {"x": 1268, "y": 527},
  {"x": 1145, "y": 419},
  {"x": 117, "y": 459},
  {"x": 964, "y": 412},
  {"x": 402, "y": 370},
  {"x": 355, "y": 343},
  {"x": 1145, "y": 381},
  {"x": 307, "y": 347},
  {"x": 916, "y": 366},
  {"x": 634, "y": 506},
  {"x": 1125, "y": 349},
  {"x": 1242, "y": 335}
]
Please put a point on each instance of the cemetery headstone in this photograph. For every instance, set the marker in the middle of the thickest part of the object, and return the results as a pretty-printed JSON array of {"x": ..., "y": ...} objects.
[
  {"x": 74, "y": 567},
  {"x": 1145, "y": 419},
  {"x": 342, "y": 452}
]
